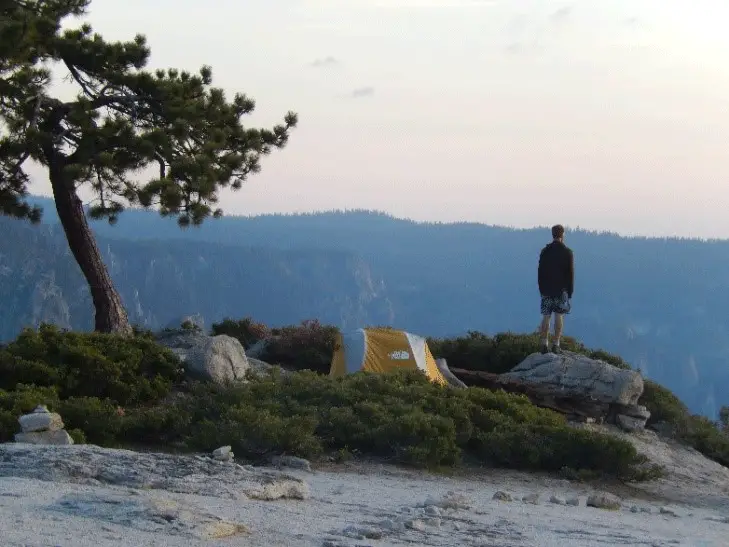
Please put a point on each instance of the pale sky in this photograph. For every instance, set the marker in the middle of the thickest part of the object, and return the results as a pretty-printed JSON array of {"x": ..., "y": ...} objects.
[{"x": 604, "y": 114}]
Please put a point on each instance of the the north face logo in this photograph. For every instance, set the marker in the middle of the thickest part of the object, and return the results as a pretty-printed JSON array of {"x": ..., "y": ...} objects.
[{"x": 399, "y": 355}]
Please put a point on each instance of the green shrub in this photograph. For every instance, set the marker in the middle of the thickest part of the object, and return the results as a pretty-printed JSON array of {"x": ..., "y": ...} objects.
[
  {"x": 705, "y": 436},
  {"x": 246, "y": 330},
  {"x": 603, "y": 355},
  {"x": 401, "y": 418},
  {"x": 499, "y": 354},
  {"x": 157, "y": 426},
  {"x": 92, "y": 420},
  {"x": 308, "y": 346},
  {"x": 502, "y": 352},
  {"x": 100, "y": 420},
  {"x": 116, "y": 391},
  {"x": 78, "y": 436},
  {"x": 189, "y": 325},
  {"x": 531, "y": 446},
  {"x": 126, "y": 370},
  {"x": 698, "y": 432},
  {"x": 664, "y": 406}
]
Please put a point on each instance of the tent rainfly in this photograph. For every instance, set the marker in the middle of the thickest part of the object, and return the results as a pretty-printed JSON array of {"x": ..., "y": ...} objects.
[{"x": 383, "y": 351}]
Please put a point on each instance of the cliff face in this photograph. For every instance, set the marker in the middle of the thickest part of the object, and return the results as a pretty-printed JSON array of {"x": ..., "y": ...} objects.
[{"x": 162, "y": 281}]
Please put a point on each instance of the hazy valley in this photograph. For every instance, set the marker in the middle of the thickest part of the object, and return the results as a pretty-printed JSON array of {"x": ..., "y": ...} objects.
[{"x": 658, "y": 303}]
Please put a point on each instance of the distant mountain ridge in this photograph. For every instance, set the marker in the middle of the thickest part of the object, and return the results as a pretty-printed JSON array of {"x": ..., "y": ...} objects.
[
  {"x": 659, "y": 303},
  {"x": 164, "y": 280}
]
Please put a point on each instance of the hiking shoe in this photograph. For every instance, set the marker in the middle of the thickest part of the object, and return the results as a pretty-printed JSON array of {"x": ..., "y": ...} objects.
[
  {"x": 544, "y": 349},
  {"x": 556, "y": 349}
]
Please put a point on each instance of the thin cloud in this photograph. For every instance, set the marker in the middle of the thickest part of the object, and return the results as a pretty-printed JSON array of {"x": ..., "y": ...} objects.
[
  {"x": 325, "y": 62},
  {"x": 632, "y": 22},
  {"x": 523, "y": 47},
  {"x": 363, "y": 92},
  {"x": 515, "y": 48},
  {"x": 562, "y": 14},
  {"x": 527, "y": 35},
  {"x": 517, "y": 24},
  {"x": 416, "y": 4}
]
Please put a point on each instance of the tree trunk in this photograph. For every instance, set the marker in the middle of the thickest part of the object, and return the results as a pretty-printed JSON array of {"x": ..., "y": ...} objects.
[{"x": 110, "y": 315}]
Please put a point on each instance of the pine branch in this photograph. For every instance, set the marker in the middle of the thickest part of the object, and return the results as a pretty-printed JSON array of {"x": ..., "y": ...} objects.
[
  {"x": 79, "y": 80},
  {"x": 15, "y": 169},
  {"x": 162, "y": 165}
]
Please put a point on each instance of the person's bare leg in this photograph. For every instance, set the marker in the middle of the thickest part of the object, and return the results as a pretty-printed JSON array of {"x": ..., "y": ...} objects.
[
  {"x": 558, "y": 327},
  {"x": 544, "y": 330}
]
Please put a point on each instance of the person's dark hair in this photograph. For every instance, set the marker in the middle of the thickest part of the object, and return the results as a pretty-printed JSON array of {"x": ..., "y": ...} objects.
[{"x": 557, "y": 231}]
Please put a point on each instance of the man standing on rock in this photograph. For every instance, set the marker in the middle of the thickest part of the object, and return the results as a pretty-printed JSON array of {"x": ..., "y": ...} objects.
[{"x": 556, "y": 277}]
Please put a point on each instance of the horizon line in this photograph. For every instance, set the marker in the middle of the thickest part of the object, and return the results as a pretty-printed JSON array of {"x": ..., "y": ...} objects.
[{"x": 391, "y": 216}]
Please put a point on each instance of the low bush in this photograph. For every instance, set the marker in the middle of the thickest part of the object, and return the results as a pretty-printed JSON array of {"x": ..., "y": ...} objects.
[
  {"x": 89, "y": 378},
  {"x": 706, "y": 436},
  {"x": 132, "y": 370},
  {"x": 664, "y": 406},
  {"x": 502, "y": 352},
  {"x": 246, "y": 330},
  {"x": 401, "y": 418},
  {"x": 308, "y": 346},
  {"x": 134, "y": 395}
]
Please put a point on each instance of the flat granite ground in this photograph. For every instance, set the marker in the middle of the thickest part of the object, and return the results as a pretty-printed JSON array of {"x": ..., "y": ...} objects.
[{"x": 87, "y": 496}]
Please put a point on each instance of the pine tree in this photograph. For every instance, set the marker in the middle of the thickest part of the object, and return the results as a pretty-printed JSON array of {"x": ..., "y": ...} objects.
[{"x": 124, "y": 119}]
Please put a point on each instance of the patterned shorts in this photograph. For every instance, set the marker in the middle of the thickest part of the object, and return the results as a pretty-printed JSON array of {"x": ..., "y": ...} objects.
[{"x": 556, "y": 304}]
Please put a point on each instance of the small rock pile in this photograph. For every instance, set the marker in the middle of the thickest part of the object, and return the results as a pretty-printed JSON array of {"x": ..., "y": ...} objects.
[{"x": 42, "y": 427}]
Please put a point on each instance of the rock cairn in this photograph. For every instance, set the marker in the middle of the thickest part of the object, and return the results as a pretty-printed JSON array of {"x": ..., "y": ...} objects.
[{"x": 42, "y": 427}]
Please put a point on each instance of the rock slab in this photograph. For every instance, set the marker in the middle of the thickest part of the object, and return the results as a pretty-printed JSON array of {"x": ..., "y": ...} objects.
[
  {"x": 583, "y": 389},
  {"x": 57, "y": 437},
  {"x": 162, "y": 515},
  {"x": 631, "y": 418},
  {"x": 184, "y": 474},
  {"x": 572, "y": 373}
]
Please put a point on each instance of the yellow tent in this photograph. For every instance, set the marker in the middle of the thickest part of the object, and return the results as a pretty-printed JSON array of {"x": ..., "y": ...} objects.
[{"x": 383, "y": 351}]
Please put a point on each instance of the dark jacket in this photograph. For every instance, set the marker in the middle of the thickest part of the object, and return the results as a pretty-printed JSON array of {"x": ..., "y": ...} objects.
[{"x": 556, "y": 271}]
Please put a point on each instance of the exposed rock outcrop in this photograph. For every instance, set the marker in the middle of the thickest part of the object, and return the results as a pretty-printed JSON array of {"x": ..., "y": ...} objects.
[
  {"x": 198, "y": 475},
  {"x": 572, "y": 373},
  {"x": 215, "y": 358},
  {"x": 582, "y": 388},
  {"x": 630, "y": 418}
]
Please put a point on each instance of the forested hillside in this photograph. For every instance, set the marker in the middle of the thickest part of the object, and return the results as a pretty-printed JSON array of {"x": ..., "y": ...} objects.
[{"x": 163, "y": 281}]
